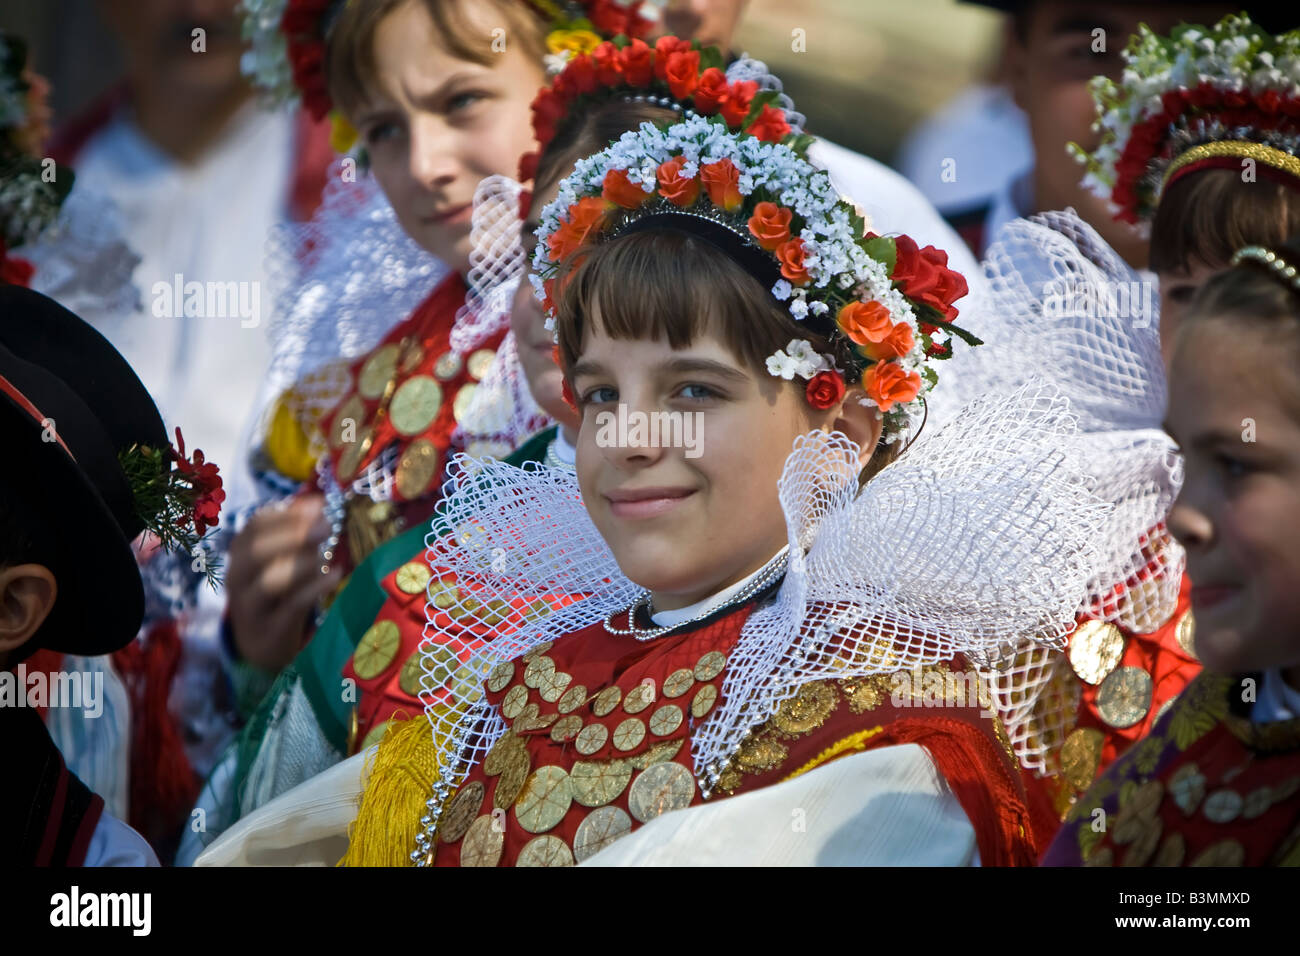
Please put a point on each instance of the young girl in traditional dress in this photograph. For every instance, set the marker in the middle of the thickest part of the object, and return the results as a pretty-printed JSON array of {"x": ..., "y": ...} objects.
[
  {"x": 1217, "y": 781},
  {"x": 697, "y": 272}
]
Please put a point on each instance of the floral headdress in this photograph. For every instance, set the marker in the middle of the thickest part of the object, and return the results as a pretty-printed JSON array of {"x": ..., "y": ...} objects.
[
  {"x": 286, "y": 55},
  {"x": 178, "y": 499},
  {"x": 1203, "y": 97},
  {"x": 675, "y": 73},
  {"x": 887, "y": 301},
  {"x": 29, "y": 200}
]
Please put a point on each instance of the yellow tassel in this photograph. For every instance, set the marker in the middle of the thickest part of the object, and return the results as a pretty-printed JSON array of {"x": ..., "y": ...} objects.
[
  {"x": 288, "y": 445},
  {"x": 401, "y": 777}
]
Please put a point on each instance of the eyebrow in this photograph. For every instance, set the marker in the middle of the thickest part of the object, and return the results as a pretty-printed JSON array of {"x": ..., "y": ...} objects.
[{"x": 678, "y": 366}]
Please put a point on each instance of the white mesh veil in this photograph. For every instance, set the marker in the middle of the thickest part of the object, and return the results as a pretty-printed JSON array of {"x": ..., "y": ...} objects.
[
  {"x": 1062, "y": 304},
  {"x": 962, "y": 546},
  {"x": 747, "y": 68}
]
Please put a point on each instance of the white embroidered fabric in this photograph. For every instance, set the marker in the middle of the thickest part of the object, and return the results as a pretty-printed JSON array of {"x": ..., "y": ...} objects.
[
  {"x": 83, "y": 262},
  {"x": 1062, "y": 304},
  {"x": 962, "y": 546}
]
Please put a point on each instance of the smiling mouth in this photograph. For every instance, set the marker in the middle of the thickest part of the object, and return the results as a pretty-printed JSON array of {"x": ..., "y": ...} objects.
[{"x": 647, "y": 503}]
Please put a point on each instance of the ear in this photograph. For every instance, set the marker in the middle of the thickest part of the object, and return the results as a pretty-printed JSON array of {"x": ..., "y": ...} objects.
[
  {"x": 27, "y": 594},
  {"x": 862, "y": 423}
]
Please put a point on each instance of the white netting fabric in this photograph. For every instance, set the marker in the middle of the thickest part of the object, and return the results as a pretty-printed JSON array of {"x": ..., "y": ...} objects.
[
  {"x": 962, "y": 546},
  {"x": 746, "y": 68},
  {"x": 502, "y": 412},
  {"x": 83, "y": 262},
  {"x": 340, "y": 283},
  {"x": 1063, "y": 305}
]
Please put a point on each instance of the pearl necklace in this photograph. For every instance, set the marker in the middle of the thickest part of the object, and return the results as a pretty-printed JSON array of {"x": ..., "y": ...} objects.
[{"x": 758, "y": 583}]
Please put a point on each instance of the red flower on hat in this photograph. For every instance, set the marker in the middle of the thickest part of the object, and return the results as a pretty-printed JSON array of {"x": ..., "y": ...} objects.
[
  {"x": 204, "y": 479},
  {"x": 621, "y": 191},
  {"x": 722, "y": 182},
  {"x": 887, "y": 383},
  {"x": 682, "y": 73},
  {"x": 636, "y": 62},
  {"x": 606, "y": 61},
  {"x": 736, "y": 105},
  {"x": 791, "y": 256},
  {"x": 770, "y": 125},
  {"x": 710, "y": 91},
  {"x": 925, "y": 277},
  {"x": 825, "y": 389}
]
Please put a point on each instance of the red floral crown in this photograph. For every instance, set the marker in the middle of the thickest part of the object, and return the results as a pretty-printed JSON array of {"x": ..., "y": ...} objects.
[{"x": 674, "y": 72}]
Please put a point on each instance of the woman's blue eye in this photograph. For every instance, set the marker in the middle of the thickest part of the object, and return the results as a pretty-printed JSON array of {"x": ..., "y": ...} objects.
[
  {"x": 697, "y": 392},
  {"x": 599, "y": 396}
]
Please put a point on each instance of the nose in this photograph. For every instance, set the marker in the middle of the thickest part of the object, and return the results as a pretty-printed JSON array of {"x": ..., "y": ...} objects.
[
  {"x": 627, "y": 433},
  {"x": 433, "y": 159},
  {"x": 1189, "y": 523}
]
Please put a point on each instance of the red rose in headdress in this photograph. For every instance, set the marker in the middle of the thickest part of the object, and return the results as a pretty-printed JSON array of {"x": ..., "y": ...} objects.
[
  {"x": 581, "y": 74},
  {"x": 673, "y": 186},
  {"x": 710, "y": 92},
  {"x": 584, "y": 216},
  {"x": 770, "y": 125},
  {"x": 722, "y": 182},
  {"x": 791, "y": 256},
  {"x": 924, "y": 276},
  {"x": 618, "y": 189},
  {"x": 606, "y": 62},
  {"x": 665, "y": 47},
  {"x": 683, "y": 73},
  {"x": 739, "y": 97},
  {"x": 635, "y": 62},
  {"x": 825, "y": 389}
]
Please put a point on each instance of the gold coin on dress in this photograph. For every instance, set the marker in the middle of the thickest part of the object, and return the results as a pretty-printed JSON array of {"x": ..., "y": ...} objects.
[
  {"x": 1256, "y": 802},
  {"x": 348, "y": 419},
  {"x": 590, "y": 739},
  {"x": 572, "y": 699},
  {"x": 598, "y": 782},
  {"x": 547, "y": 850},
  {"x": 704, "y": 700},
  {"x": 1223, "y": 853},
  {"x": 710, "y": 665},
  {"x": 1223, "y": 806},
  {"x": 679, "y": 682},
  {"x": 541, "y": 648},
  {"x": 1187, "y": 635},
  {"x": 1081, "y": 755},
  {"x": 376, "y": 734},
  {"x": 499, "y": 756},
  {"x": 377, "y": 371},
  {"x": 464, "y": 396},
  {"x": 512, "y": 778},
  {"x": 377, "y": 650},
  {"x": 639, "y": 698},
  {"x": 417, "y": 468},
  {"x": 530, "y": 711},
  {"x": 350, "y": 460},
  {"x": 411, "y": 675},
  {"x": 513, "y": 703},
  {"x": 663, "y": 751},
  {"x": 535, "y": 722},
  {"x": 461, "y": 811},
  {"x": 501, "y": 676},
  {"x": 415, "y": 405},
  {"x": 660, "y": 789},
  {"x": 545, "y": 799},
  {"x": 665, "y": 720},
  {"x": 629, "y": 734},
  {"x": 1171, "y": 852},
  {"x": 479, "y": 362},
  {"x": 483, "y": 843},
  {"x": 566, "y": 728},
  {"x": 413, "y": 577},
  {"x": 600, "y": 828},
  {"x": 552, "y": 687},
  {"x": 606, "y": 701},
  {"x": 1095, "y": 648},
  {"x": 448, "y": 366},
  {"x": 444, "y": 594},
  {"x": 1125, "y": 696},
  {"x": 537, "y": 670},
  {"x": 412, "y": 356}
]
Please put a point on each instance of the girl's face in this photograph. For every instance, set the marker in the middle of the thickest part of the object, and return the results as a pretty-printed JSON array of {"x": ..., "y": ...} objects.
[
  {"x": 1238, "y": 514},
  {"x": 528, "y": 322},
  {"x": 1177, "y": 289},
  {"x": 436, "y": 125},
  {"x": 684, "y": 522}
]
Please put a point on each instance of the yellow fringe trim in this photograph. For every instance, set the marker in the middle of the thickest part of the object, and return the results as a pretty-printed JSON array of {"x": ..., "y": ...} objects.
[
  {"x": 855, "y": 742},
  {"x": 400, "y": 779},
  {"x": 287, "y": 445}
]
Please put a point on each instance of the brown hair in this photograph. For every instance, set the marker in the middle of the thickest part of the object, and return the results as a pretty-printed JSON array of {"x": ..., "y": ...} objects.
[
  {"x": 590, "y": 129},
  {"x": 1208, "y": 215},
  {"x": 350, "y": 50},
  {"x": 668, "y": 285}
]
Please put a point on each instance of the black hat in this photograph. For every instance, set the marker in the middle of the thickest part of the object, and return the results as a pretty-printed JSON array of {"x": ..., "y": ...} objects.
[{"x": 69, "y": 405}]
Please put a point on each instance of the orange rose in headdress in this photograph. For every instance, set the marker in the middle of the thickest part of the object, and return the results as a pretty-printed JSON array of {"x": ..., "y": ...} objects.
[
  {"x": 770, "y": 225},
  {"x": 722, "y": 182},
  {"x": 887, "y": 383},
  {"x": 618, "y": 189},
  {"x": 791, "y": 256},
  {"x": 864, "y": 322},
  {"x": 673, "y": 186},
  {"x": 897, "y": 343},
  {"x": 584, "y": 216}
]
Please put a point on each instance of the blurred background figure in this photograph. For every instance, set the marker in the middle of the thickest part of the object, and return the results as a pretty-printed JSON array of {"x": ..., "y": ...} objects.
[{"x": 200, "y": 176}]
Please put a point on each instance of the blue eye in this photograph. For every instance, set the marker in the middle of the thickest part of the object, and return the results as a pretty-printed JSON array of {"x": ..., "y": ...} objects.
[
  {"x": 464, "y": 100},
  {"x": 601, "y": 395},
  {"x": 697, "y": 392},
  {"x": 379, "y": 132},
  {"x": 1232, "y": 467}
]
